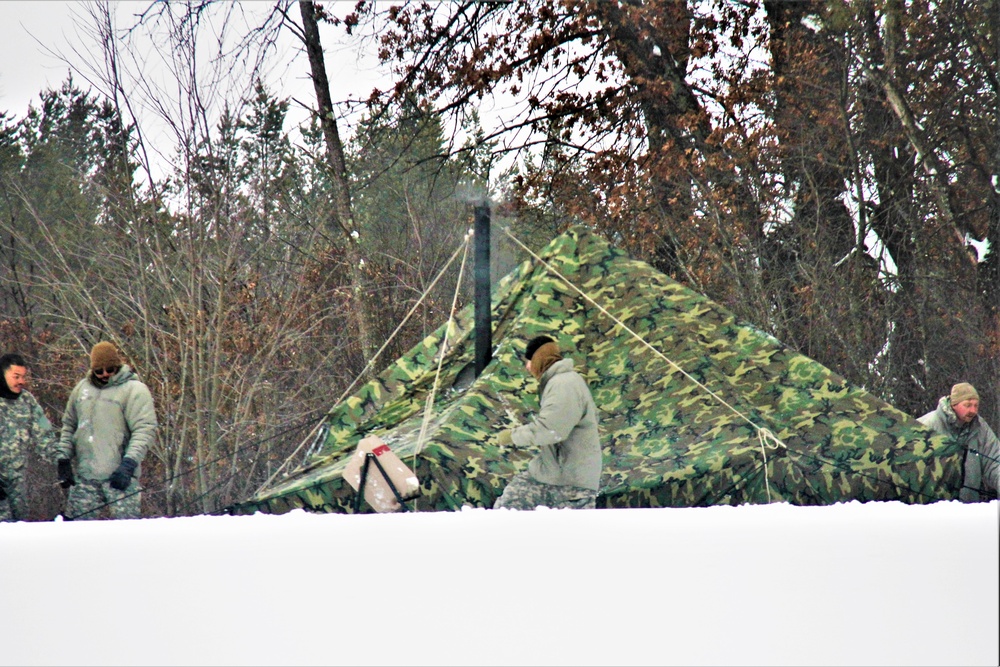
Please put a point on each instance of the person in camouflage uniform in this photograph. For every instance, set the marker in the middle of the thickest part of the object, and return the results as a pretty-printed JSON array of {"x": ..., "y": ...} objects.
[
  {"x": 22, "y": 424},
  {"x": 566, "y": 473},
  {"x": 957, "y": 415},
  {"x": 108, "y": 426}
]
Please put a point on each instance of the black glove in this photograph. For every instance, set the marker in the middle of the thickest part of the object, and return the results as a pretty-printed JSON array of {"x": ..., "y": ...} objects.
[
  {"x": 65, "y": 472},
  {"x": 3, "y": 490},
  {"x": 121, "y": 477}
]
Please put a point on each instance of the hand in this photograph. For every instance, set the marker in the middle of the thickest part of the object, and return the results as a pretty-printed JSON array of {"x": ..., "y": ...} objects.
[
  {"x": 121, "y": 477},
  {"x": 3, "y": 490},
  {"x": 505, "y": 439},
  {"x": 65, "y": 472}
]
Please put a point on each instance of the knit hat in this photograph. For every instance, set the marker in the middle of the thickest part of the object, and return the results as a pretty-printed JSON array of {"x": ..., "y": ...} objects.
[
  {"x": 104, "y": 355},
  {"x": 542, "y": 352},
  {"x": 963, "y": 391},
  {"x": 534, "y": 344}
]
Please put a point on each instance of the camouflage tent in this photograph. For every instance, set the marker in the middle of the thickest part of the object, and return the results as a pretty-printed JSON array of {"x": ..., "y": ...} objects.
[{"x": 689, "y": 400}]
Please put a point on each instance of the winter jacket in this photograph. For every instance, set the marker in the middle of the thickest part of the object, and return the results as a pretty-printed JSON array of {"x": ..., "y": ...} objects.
[
  {"x": 565, "y": 431},
  {"x": 981, "y": 477},
  {"x": 103, "y": 425}
]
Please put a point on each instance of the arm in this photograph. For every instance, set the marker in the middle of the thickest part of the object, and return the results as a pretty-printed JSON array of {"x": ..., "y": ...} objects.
[
  {"x": 65, "y": 449},
  {"x": 561, "y": 410},
  {"x": 140, "y": 416},
  {"x": 989, "y": 457},
  {"x": 43, "y": 435}
]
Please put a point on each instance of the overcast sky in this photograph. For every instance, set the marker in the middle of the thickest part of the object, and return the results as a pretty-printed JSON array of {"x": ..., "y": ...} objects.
[
  {"x": 25, "y": 67},
  {"x": 32, "y": 33}
]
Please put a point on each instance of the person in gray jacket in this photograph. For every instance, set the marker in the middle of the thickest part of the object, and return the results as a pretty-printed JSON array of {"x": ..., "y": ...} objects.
[
  {"x": 108, "y": 426},
  {"x": 566, "y": 472},
  {"x": 957, "y": 415}
]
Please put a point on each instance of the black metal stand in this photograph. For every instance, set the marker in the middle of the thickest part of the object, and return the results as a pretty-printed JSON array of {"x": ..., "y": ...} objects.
[{"x": 369, "y": 458}]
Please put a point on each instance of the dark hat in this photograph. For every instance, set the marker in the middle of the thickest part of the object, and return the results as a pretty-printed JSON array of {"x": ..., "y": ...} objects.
[
  {"x": 533, "y": 346},
  {"x": 104, "y": 355},
  {"x": 963, "y": 391}
]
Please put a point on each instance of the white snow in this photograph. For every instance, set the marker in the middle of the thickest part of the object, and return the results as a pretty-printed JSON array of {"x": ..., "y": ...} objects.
[{"x": 851, "y": 584}]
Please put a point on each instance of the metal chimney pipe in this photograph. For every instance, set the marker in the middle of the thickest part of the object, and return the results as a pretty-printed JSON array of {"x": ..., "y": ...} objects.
[{"x": 484, "y": 327}]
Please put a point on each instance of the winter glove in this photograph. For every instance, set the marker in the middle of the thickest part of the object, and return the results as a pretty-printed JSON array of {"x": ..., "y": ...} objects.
[
  {"x": 65, "y": 473},
  {"x": 3, "y": 490},
  {"x": 504, "y": 439},
  {"x": 121, "y": 477}
]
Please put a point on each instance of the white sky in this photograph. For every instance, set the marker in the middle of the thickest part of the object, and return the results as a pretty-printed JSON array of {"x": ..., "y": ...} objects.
[
  {"x": 849, "y": 584},
  {"x": 33, "y": 32},
  {"x": 29, "y": 32}
]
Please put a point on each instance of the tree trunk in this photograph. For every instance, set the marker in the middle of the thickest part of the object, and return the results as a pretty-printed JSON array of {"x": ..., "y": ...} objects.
[{"x": 341, "y": 216}]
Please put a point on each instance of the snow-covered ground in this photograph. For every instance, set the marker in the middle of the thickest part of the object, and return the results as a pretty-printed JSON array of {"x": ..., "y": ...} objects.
[{"x": 852, "y": 584}]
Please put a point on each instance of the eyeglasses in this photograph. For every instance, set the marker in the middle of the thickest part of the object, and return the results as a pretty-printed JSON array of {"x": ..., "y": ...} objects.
[{"x": 110, "y": 370}]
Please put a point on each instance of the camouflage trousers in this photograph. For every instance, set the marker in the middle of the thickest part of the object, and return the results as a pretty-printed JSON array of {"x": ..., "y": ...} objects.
[
  {"x": 15, "y": 506},
  {"x": 525, "y": 493},
  {"x": 90, "y": 499}
]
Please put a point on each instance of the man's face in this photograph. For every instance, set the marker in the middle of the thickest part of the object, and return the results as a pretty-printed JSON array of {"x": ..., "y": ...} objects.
[
  {"x": 967, "y": 410},
  {"x": 102, "y": 375},
  {"x": 16, "y": 377}
]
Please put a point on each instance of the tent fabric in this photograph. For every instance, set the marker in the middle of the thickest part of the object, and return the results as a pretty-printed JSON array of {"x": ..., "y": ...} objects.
[{"x": 670, "y": 438}]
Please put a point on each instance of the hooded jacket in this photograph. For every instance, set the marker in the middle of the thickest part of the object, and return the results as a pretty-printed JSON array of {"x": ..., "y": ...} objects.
[
  {"x": 981, "y": 474},
  {"x": 565, "y": 431},
  {"x": 103, "y": 425}
]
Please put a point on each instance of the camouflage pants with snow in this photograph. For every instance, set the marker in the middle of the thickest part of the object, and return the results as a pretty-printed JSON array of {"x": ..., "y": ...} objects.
[
  {"x": 89, "y": 499},
  {"x": 525, "y": 493}
]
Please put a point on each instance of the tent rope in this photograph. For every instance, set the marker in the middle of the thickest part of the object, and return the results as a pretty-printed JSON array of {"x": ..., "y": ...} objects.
[
  {"x": 371, "y": 362},
  {"x": 764, "y": 435},
  {"x": 429, "y": 405}
]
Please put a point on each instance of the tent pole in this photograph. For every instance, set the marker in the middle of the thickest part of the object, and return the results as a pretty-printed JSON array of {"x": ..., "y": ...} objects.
[{"x": 484, "y": 329}]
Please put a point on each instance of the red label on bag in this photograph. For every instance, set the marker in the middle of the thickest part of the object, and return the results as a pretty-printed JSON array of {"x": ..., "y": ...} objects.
[{"x": 380, "y": 450}]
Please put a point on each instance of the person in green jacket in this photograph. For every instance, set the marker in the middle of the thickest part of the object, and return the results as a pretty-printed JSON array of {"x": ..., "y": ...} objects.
[
  {"x": 957, "y": 415},
  {"x": 23, "y": 424},
  {"x": 108, "y": 426},
  {"x": 566, "y": 472}
]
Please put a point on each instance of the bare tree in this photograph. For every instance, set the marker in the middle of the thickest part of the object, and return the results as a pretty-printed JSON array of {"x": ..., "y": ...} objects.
[{"x": 201, "y": 276}]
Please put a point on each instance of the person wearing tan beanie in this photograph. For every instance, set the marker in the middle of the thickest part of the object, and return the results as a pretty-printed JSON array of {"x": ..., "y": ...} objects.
[
  {"x": 957, "y": 416},
  {"x": 566, "y": 473},
  {"x": 107, "y": 427}
]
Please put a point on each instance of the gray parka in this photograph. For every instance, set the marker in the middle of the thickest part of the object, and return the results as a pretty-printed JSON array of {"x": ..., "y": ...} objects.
[
  {"x": 565, "y": 431},
  {"x": 981, "y": 478},
  {"x": 103, "y": 425}
]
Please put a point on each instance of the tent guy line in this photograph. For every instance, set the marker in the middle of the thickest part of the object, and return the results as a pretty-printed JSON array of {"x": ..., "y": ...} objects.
[
  {"x": 669, "y": 441},
  {"x": 429, "y": 407},
  {"x": 371, "y": 362},
  {"x": 253, "y": 444},
  {"x": 764, "y": 434}
]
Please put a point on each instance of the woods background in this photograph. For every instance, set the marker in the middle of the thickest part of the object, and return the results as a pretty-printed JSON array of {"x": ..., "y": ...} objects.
[{"x": 829, "y": 171}]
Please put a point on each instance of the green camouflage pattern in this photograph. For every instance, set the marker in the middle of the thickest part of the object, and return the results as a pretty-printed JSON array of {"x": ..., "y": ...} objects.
[{"x": 667, "y": 441}]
